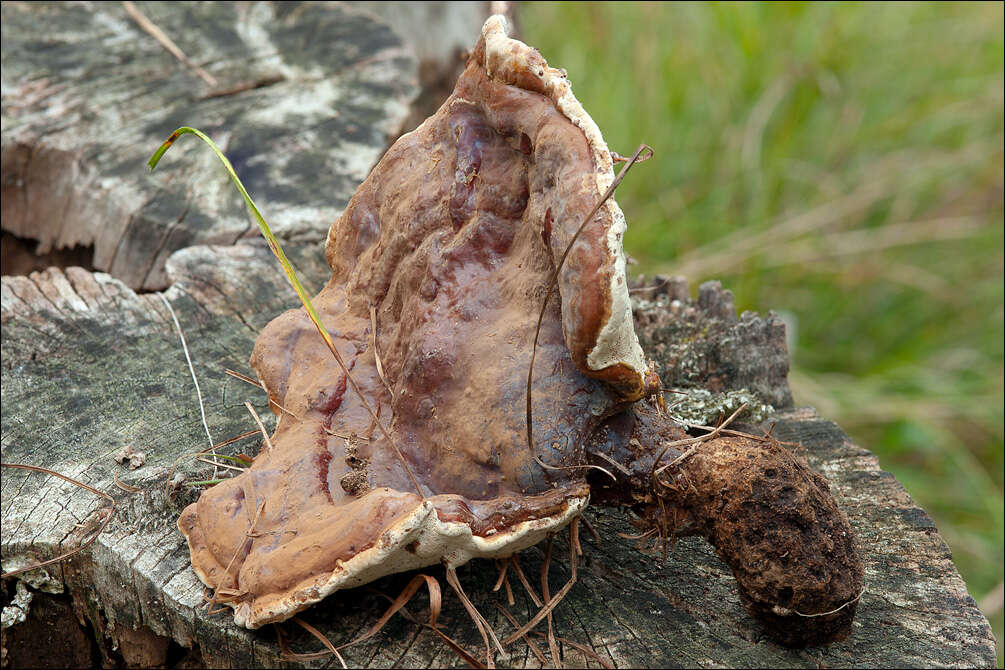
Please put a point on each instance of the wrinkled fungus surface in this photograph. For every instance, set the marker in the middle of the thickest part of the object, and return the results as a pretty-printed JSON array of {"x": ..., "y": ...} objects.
[
  {"x": 452, "y": 239},
  {"x": 440, "y": 266}
]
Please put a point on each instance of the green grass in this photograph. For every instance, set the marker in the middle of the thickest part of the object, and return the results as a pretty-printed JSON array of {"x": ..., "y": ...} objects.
[{"x": 842, "y": 164}]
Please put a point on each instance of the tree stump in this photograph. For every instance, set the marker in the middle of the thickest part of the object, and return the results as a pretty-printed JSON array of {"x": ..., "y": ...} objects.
[{"x": 92, "y": 367}]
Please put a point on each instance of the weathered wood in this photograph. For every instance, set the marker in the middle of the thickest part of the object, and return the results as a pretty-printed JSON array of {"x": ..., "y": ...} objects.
[
  {"x": 89, "y": 367},
  {"x": 307, "y": 96}
]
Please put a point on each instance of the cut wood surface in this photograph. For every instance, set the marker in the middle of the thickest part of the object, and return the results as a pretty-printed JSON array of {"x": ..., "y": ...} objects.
[
  {"x": 90, "y": 367},
  {"x": 306, "y": 98}
]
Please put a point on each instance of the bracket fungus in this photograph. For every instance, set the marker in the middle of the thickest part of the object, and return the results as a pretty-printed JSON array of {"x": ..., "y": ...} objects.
[{"x": 440, "y": 265}]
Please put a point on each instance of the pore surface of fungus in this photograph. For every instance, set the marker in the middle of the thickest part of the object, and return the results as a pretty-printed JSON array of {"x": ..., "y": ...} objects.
[{"x": 440, "y": 266}]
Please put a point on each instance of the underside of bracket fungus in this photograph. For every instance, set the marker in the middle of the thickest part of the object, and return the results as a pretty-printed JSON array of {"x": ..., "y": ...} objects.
[{"x": 440, "y": 266}]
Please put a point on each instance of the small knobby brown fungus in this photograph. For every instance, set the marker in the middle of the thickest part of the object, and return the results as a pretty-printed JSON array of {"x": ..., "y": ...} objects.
[
  {"x": 770, "y": 517},
  {"x": 440, "y": 266}
]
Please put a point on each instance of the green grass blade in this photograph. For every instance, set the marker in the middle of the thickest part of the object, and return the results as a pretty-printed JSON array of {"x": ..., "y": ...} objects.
[{"x": 253, "y": 208}]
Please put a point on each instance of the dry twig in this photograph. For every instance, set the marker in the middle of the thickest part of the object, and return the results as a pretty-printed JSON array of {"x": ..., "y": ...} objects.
[
  {"x": 154, "y": 31},
  {"x": 254, "y": 415}
]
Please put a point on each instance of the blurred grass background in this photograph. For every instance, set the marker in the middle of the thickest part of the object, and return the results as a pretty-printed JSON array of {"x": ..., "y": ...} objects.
[{"x": 841, "y": 164}]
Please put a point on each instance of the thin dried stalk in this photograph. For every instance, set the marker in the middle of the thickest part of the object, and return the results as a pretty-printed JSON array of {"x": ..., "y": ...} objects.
[
  {"x": 574, "y": 467},
  {"x": 398, "y": 604},
  {"x": 217, "y": 590},
  {"x": 523, "y": 580},
  {"x": 217, "y": 464},
  {"x": 546, "y": 596},
  {"x": 503, "y": 580},
  {"x": 526, "y": 638},
  {"x": 583, "y": 649},
  {"x": 244, "y": 378},
  {"x": 248, "y": 380},
  {"x": 287, "y": 654},
  {"x": 191, "y": 369},
  {"x": 376, "y": 352},
  {"x": 833, "y": 611},
  {"x": 213, "y": 448},
  {"x": 320, "y": 636},
  {"x": 544, "y": 611},
  {"x": 480, "y": 622},
  {"x": 613, "y": 462},
  {"x": 694, "y": 441},
  {"x": 589, "y": 527},
  {"x": 549, "y": 605},
  {"x": 154, "y": 31},
  {"x": 502, "y": 576},
  {"x": 128, "y": 488},
  {"x": 254, "y": 415}
]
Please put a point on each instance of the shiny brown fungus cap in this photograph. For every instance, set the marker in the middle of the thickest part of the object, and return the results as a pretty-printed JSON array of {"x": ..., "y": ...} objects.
[{"x": 440, "y": 265}]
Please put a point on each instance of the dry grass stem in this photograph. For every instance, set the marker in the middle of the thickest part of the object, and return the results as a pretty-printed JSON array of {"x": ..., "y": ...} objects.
[
  {"x": 574, "y": 547},
  {"x": 589, "y": 527},
  {"x": 174, "y": 466},
  {"x": 376, "y": 352},
  {"x": 582, "y": 648},
  {"x": 243, "y": 86},
  {"x": 398, "y": 604},
  {"x": 191, "y": 369},
  {"x": 129, "y": 488},
  {"x": 613, "y": 462},
  {"x": 324, "y": 640},
  {"x": 835, "y": 610},
  {"x": 504, "y": 581},
  {"x": 244, "y": 378},
  {"x": 154, "y": 31},
  {"x": 219, "y": 592},
  {"x": 480, "y": 622},
  {"x": 526, "y": 638},
  {"x": 523, "y": 580},
  {"x": 344, "y": 437},
  {"x": 693, "y": 441},
  {"x": 254, "y": 415},
  {"x": 503, "y": 566},
  {"x": 217, "y": 464},
  {"x": 259, "y": 385},
  {"x": 542, "y": 613},
  {"x": 556, "y": 655},
  {"x": 587, "y": 466}
]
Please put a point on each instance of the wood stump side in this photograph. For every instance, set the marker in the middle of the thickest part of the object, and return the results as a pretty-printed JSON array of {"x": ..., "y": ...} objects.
[{"x": 90, "y": 367}]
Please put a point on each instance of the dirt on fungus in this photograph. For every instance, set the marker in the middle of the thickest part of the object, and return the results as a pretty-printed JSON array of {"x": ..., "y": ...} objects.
[{"x": 447, "y": 250}]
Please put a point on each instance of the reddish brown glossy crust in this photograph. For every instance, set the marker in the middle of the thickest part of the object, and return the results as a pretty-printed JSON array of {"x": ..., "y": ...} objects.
[
  {"x": 499, "y": 175},
  {"x": 452, "y": 240}
]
